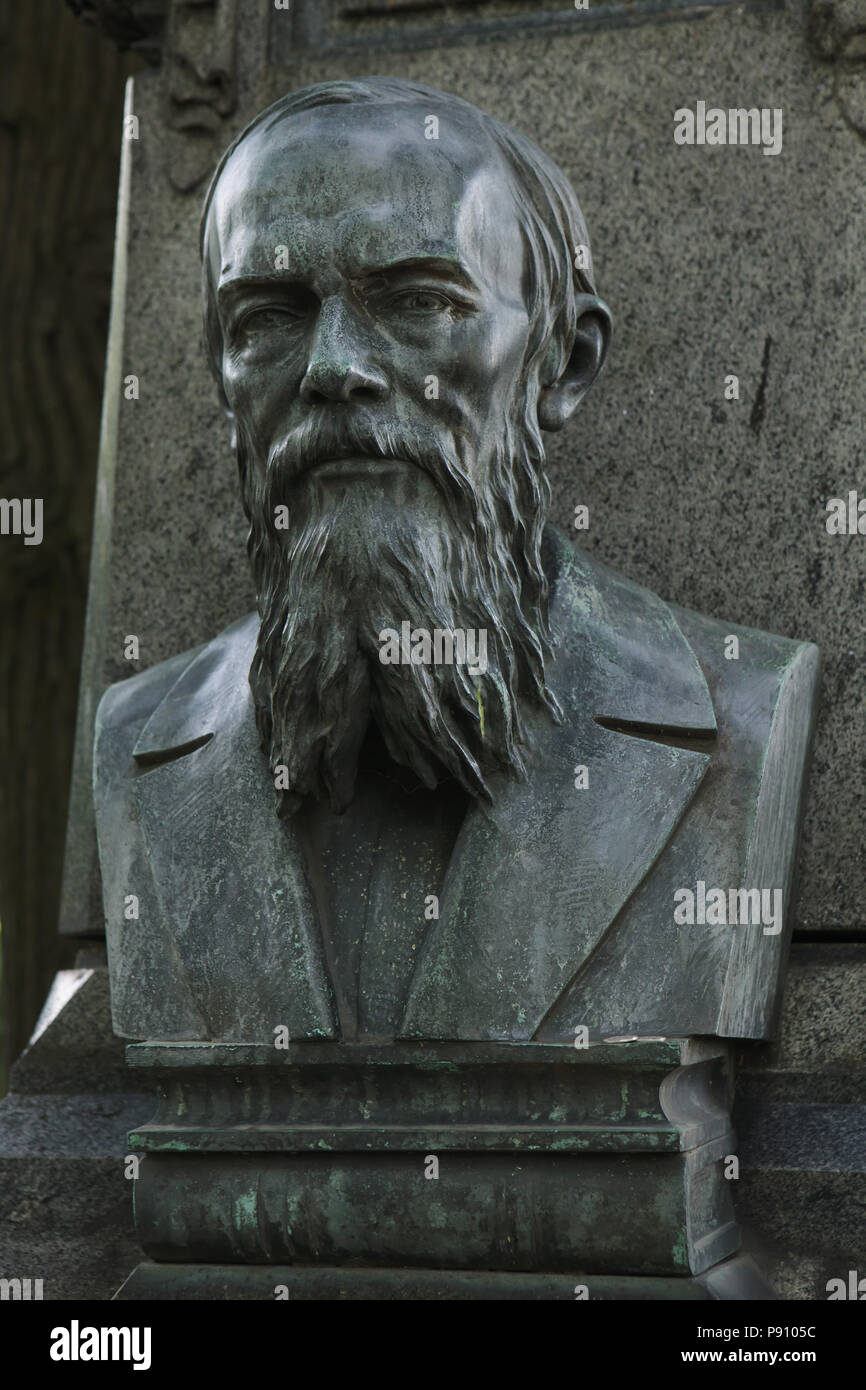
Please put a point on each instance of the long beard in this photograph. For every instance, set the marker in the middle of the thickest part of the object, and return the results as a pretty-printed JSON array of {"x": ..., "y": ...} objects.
[{"x": 344, "y": 571}]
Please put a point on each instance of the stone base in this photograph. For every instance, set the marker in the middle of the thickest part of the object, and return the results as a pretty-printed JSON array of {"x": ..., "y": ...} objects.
[
  {"x": 66, "y": 1207},
  {"x": 273, "y": 1282},
  {"x": 65, "y": 1204},
  {"x": 736, "y": 1278}
]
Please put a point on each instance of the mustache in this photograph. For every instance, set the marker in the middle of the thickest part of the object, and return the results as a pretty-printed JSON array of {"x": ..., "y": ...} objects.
[{"x": 323, "y": 438}]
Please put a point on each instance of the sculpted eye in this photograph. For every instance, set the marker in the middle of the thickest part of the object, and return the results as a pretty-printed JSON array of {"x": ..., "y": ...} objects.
[
  {"x": 423, "y": 301},
  {"x": 267, "y": 318}
]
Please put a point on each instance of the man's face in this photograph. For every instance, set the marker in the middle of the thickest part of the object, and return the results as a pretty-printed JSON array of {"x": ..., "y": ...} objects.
[
  {"x": 369, "y": 290},
  {"x": 361, "y": 268}
]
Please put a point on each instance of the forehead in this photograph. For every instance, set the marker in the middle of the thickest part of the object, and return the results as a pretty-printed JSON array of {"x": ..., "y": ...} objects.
[{"x": 358, "y": 185}]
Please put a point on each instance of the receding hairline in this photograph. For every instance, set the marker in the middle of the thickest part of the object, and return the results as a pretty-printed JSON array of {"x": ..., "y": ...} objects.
[
  {"x": 548, "y": 212},
  {"x": 471, "y": 118},
  {"x": 513, "y": 146}
]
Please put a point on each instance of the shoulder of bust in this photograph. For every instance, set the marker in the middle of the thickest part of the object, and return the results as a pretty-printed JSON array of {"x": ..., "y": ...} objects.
[
  {"x": 127, "y": 706},
  {"x": 750, "y": 672}
]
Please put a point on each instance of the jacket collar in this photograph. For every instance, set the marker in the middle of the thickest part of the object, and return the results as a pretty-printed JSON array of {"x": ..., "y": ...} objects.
[{"x": 534, "y": 882}]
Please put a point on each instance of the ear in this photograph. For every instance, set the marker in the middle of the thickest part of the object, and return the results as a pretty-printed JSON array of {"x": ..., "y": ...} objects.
[{"x": 558, "y": 400}]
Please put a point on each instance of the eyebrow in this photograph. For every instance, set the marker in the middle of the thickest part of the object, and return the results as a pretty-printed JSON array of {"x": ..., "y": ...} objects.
[{"x": 444, "y": 267}]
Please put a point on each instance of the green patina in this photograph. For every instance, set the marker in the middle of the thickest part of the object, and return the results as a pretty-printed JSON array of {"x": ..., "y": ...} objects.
[{"x": 680, "y": 1248}]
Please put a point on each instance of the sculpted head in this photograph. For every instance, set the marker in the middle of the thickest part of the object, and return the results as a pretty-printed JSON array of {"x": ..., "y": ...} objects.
[{"x": 395, "y": 309}]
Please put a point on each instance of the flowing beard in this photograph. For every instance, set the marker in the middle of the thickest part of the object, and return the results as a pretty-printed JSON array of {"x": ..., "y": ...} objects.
[{"x": 342, "y": 572}]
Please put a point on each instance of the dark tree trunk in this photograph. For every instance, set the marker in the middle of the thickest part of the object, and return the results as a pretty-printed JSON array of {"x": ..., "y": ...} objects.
[{"x": 61, "y": 94}]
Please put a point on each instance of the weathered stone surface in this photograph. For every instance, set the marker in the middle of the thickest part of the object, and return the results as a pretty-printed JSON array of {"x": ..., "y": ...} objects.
[
  {"x": 65, "y": 1202},
  {"x": 73, "y": 1047},
  {"x": 800, "y": 1117},
  {"x": 66, "y": 1208},
  {"x": 256, "y": 1282},
  {"x": 320, "y": 1156}
]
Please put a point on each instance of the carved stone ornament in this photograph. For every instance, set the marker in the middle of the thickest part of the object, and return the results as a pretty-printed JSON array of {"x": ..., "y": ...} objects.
[{"x": 837, "y": 31}]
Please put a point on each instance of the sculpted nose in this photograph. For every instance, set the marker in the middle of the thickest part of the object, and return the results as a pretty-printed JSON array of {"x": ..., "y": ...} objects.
[
  {"x": 340, "y": 367},
  {"x": 342, "y": 381}
]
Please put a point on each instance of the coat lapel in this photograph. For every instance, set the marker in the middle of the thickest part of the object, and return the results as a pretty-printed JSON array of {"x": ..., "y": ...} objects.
[
  {"x": 537, "y": 879},
  {"x": 229, "y": 874}
]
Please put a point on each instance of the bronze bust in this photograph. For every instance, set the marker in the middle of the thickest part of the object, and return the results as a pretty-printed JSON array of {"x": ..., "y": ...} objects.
[
  {"x": 393, "y": 322},
  {"x": 455, "y": 781}
]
